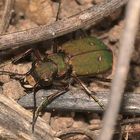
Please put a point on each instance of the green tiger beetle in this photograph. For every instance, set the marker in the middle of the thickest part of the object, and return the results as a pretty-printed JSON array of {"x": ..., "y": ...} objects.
[{"x": 79, "y": 58}]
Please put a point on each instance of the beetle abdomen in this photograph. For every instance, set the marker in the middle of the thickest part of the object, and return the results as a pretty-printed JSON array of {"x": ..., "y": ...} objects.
[
  {"x": 91, "y": 63},
  {"x": 88, "y": 56},
  {"x": 83, "y": 45}
]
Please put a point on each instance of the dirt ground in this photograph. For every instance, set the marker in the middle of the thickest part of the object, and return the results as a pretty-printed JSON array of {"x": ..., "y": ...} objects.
[{"x": 32, "y": 13}]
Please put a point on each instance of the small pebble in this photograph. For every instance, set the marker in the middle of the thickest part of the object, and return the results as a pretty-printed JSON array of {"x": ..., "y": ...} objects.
[{"x": 13, "y": 89}]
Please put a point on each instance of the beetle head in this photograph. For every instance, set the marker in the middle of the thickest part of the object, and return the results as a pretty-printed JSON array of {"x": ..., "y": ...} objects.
[{"x": 42, "y": 73}]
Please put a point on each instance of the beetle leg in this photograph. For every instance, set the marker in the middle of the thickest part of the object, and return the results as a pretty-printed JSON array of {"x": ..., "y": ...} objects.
[
  {"x": 88, "y": 91},
  {"x": 84, "y": 33},
  {"x": 22, "y": 55},
  {"x": 35, "y": 89},
  {"x": 35, "y": 54},
  {"x": 60, "y": 84},
  {"x": 48, "y": 99},
  {"x": 17, "y": 58}
]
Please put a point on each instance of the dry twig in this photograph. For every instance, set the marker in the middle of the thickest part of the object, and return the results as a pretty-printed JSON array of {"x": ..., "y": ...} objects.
[
  {"x": 15, "y": 123},
  {"x": 122, "y": 68},
  {"x": 88, "y": 17},
  {"x": 9, "y": 4}
]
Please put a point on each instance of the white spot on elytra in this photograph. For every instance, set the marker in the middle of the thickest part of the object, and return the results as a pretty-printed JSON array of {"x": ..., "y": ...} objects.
[{"x": 100, "y": 58}]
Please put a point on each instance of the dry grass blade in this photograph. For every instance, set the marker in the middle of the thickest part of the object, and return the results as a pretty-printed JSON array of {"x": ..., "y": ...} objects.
[
  {"x": 118, "y": 84},
  {"x": 6, "y": 15}
]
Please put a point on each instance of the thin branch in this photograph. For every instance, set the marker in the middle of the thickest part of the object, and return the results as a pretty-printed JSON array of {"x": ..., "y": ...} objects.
[
  {"x": 15, "y": 123},
  {"x": 9, "y": 4},
  {"x": 88, "y": 17},
  {"x": 122, "y": 68}
]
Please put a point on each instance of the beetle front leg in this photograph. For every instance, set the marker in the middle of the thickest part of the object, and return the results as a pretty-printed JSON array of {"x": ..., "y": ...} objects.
[
  {"x": 88, "y": 91},
  {"x": 35, "y": 89},
  {"x": 44, "y": 104}
]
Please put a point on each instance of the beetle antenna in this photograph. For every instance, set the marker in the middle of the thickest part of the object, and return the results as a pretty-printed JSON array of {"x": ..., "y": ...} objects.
[
  {"x": 89, "y": 93},
  {"x": 35, "y": 89}
]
